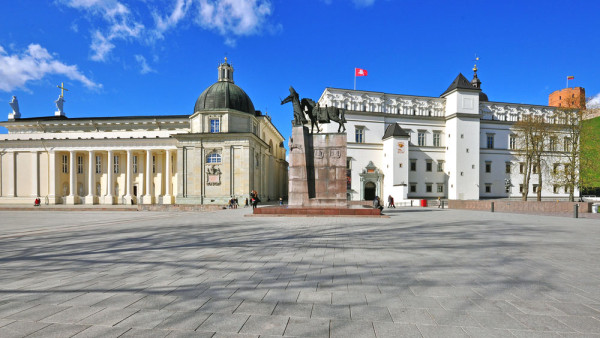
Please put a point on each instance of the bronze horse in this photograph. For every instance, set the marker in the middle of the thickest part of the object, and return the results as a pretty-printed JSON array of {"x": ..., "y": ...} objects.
[
  {"x": 316, "y": 113},
  {"x": 324, "y": 114}
]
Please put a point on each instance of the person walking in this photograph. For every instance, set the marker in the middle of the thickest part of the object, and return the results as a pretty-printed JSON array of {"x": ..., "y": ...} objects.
[{"x": 439, "y": 202}]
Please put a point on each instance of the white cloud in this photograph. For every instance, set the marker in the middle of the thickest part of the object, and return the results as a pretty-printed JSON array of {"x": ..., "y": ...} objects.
[
  {"x": 145, "y": 68},
  {"x": 233, "y": 17},
  {"x": 101, "y": 46},
  {"x": 114, "y": 20},
  {"x": 33, "y": 64},
  {"x": 363, "y": 3},
  {"x": 163, "y": 24},
  {"x": 594, "y": 102},
  {"x": 121, "y": 24}
]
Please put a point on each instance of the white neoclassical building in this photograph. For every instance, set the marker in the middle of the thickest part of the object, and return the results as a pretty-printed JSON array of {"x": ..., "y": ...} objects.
[
  {"x": 459, "y": 145},
  {"x": 224, "y": 149}
]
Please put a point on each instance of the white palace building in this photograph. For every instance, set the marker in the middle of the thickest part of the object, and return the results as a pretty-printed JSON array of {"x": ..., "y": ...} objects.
[
  {"x": 224, "y": 149},
  {"x": 457, "y": 146}
]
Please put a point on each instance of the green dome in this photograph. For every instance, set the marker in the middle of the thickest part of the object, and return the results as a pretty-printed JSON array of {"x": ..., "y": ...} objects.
[{"x": 224, "y": 95}]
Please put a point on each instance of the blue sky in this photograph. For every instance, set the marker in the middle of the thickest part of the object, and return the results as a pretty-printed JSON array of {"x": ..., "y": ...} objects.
[{"x": 155, "y": 57}]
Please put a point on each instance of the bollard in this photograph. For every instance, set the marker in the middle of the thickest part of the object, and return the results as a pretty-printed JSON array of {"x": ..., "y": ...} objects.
[
  {"x": 442, "y": 202},
  {"x": 576, "y": 211},
  {"x": 492, "y": 206},
  {"x": 411, "y": 202}
]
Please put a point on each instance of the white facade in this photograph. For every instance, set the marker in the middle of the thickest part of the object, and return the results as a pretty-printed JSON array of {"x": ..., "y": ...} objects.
[
  {"x": 208, "y": 157},
  {"x": 445, "y": 153}
]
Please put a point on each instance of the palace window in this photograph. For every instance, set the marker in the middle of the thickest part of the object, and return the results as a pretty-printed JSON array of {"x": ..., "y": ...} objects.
[
  {"x": 213, "y": 158},
  {"x": 428, "y": 165},
  {"x": 512, "y": 142},
  {"x": 436, "y": 139},
  {"x": 65, "y": 164},
  {"x": 556, "y": 189},
  {"x": 154, "y": 164},
  {"x": 215, "y": 125},
  {"x": 359, "y": 135},
  {"x": 553, "y": 144},
  {"x": 413, "y": 187},
  {"x": 567, "y": 144},
  {"x": 555, "y": 168},
  {"x": 488, "y": 188},
  {"x": 413, "y": 165},
  {"x": 428, "y": 187},
  {"x": 508, "y": 167},
  {"x": 521, "y": 188},
  {"x": 98, "y": 164},
  {"x": 135, "y": 164},
  {"x": 488, "y": 167},
  {"x": 490, "y": 141},
  {"x": 116, "y": 164},
  {"x": 535, "y": 188},
  {"x": 80, "y": 164},
  {"x": 440, "y": 166},
  {"x": 421, "y": 138},
  {"x": 521, "y": 168},
  {"x": 440, "y": 187}
]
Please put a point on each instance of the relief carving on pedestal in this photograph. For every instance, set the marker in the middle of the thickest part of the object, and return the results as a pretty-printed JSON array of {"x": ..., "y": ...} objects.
[
  {"x": 335, "y": 153},
  {"x": 318, "y": 153}
]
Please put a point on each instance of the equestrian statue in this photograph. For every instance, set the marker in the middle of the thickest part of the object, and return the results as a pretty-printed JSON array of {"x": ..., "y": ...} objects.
[{"x": 315, "y": 113}]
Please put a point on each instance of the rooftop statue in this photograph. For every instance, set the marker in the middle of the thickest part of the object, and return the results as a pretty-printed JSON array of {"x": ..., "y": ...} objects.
[
  {"x": 15, "y": 106},
  {"x": 59, "y": 104}
]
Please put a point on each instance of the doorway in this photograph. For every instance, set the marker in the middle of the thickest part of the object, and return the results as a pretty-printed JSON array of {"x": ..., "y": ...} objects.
[{"x": 369, "y": 191}]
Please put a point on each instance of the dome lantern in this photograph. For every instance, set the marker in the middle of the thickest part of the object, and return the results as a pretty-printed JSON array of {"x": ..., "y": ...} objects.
[{"x": 225, "y": 72}]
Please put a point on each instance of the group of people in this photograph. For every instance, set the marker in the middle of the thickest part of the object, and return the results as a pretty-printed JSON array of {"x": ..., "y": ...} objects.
[{"x": 233, "y": 203}]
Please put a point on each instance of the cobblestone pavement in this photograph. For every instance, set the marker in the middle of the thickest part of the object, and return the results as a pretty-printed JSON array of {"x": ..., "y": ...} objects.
[{"x": 421, "y": 272}]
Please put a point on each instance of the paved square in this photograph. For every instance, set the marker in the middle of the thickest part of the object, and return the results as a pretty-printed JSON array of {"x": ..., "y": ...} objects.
[{"x": 421, "y": 272}]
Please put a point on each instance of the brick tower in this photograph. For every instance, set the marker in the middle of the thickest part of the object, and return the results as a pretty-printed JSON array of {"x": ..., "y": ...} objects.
[{"x": 568, "y": 97}]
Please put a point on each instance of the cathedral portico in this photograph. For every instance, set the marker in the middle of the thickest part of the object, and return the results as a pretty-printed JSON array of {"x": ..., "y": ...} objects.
[{"x": 224, "y": 148}]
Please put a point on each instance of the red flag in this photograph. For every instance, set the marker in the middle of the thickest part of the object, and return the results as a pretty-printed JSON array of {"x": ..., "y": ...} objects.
[
  {"x": 571, "y": 77},
  {"x": 360, "y": 72}
]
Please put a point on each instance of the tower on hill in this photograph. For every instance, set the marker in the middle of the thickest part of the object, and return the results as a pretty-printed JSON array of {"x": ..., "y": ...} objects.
[{"x": 568, "y": 98}]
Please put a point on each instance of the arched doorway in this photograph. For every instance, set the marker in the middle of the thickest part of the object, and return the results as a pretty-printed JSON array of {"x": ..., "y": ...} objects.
[{"x": 369, "y": 191}]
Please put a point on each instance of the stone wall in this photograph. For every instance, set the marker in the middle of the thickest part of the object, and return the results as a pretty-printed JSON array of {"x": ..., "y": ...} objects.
[{"x": 520, "y": 206}]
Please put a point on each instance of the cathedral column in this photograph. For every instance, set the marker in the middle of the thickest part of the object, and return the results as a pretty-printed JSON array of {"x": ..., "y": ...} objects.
[
  {"x": 12, "y": 182},
  {"x": 168, "y": 199},
  {"x": 35, "y": 174},
  {"x": 148, "y": 173},
  {"x": 108, "y": 199},
  {"x": 89, "y": 199},
  {"x": 128, "y": 197},
  {"x": 51, "y": 177},
  {"x": 71, "y": 199}
]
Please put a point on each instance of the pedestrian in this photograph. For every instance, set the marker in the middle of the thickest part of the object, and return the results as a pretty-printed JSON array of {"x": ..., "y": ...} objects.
[
  {"x": 377, "y": 203},
  {"x": 235, "y": 203},
  {"x": 280, "y": 201},
  {"x": 246, "y": 204},
  {"x": 393, "y": 205},
  {"x": 439, "y": 202}
]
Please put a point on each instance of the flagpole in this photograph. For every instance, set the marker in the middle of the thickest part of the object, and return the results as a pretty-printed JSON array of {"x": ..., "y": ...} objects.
[
  {"x": 567, "y": 82},
  {"x": 354, "y": 78}
]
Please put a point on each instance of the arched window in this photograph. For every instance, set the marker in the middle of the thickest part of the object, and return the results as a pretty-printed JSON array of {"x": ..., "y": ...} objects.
[{"x": 213, "y": 158}]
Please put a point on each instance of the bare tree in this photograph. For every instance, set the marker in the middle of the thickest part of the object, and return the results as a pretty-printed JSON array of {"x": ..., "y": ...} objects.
[
  {"x": 524, "y": 143},
  {"x": 577, "y": 136}
]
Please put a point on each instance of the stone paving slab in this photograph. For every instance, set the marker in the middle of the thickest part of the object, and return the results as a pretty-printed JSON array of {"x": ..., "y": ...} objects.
[{"x": 440, "y": 273}]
